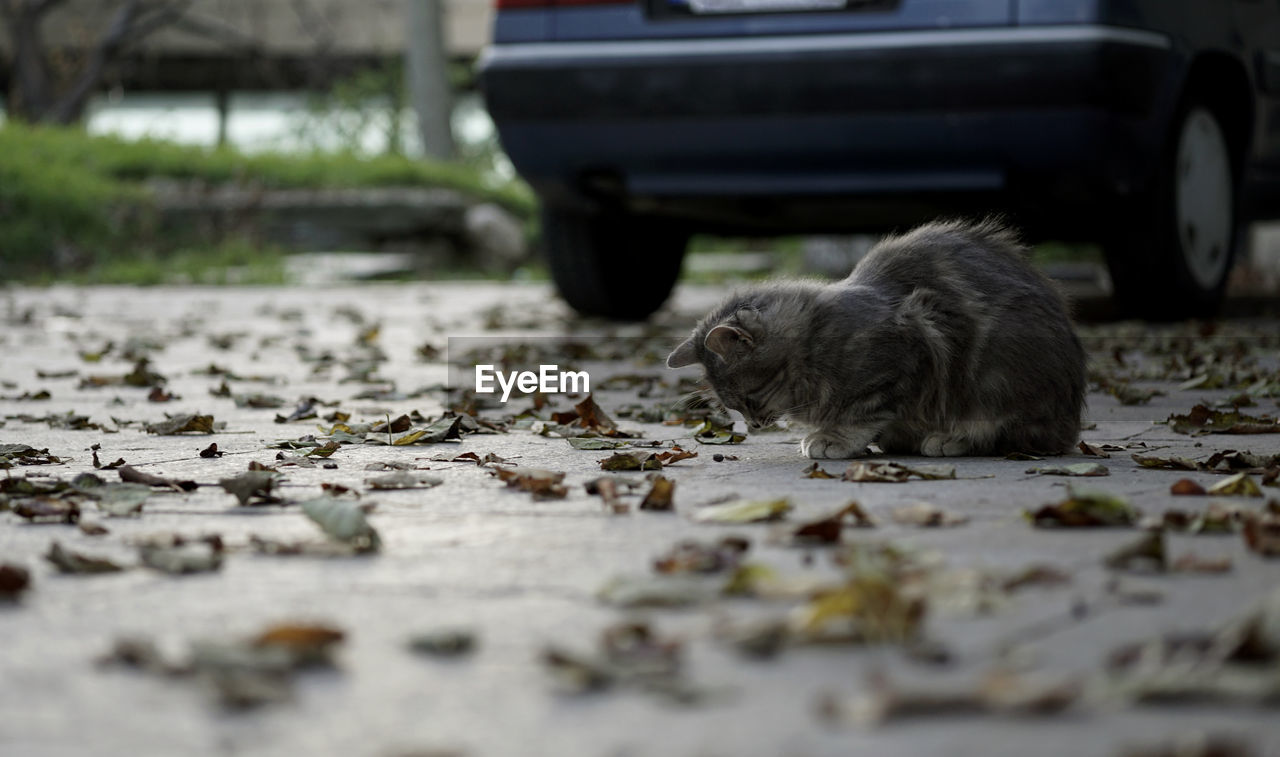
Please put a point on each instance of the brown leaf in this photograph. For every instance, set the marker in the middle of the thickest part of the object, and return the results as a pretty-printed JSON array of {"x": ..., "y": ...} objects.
[
  {"x": 68, "y": 561},
  {"x": 1186, "y": 487},
  {"x": 692, "y": 556},
  {"x": 307, "y": 644},
  {"x": 1092, "y": 451},
  {"x": 211, "y": 451},
  {"x": 14, "y": 579},
  {"x": 827, "y": 530},
  {"x": 927, "y": 515},
  {"x": 606, "y": 487},
  {"x": 631, "y": 461},
  {"x": 674, "y": 455},
  {"x": 815, "y": 471},
  {"x": 1262, "y": 535},
  {"x": 46, "y": 510},
  {"x": 542, "y": 484},
  {"x": 592, "y": 417},
  {"x": 134, "y": 476},
  {"x": 1192, "y": 563},
  {"x": 660, "y": 495}
]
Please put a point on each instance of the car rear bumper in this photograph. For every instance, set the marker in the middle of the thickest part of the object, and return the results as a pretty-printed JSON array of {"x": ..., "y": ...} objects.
[{"x": 844, "y": 115}]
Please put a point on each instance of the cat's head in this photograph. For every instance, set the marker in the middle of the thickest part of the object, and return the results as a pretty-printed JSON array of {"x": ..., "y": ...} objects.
[{"x": 745, "y": 362}]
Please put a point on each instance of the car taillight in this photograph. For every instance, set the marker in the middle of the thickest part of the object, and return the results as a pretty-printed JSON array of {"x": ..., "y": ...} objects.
[{"x": 501, "y": 4}]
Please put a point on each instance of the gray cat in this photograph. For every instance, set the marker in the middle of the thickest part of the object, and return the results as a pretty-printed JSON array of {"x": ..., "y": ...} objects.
[{"x": 943, "y": 341}]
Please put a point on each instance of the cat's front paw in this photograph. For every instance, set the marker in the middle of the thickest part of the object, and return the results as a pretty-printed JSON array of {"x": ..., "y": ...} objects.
[{"x": 820, "y": 446}]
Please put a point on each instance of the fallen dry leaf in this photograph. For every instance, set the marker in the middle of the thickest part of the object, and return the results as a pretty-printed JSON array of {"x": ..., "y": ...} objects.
[
  {"x": 631, "y": 461},
  {"x": 307, "y": 644},
  {"x": 1262, "y": 535},
  {"x": 1075, "y": 469},
  {"x": 691, "y": 556},
  {"x": 542, "y": 484},
  {"x": 743, "y": 511},
  {"x": 660, "y": 495},
  {"x": 1085, "y": 509},
  {"x": 896, "y": 473},
  {"x": 69, "y": 561},
  {"x": 344, "y": 520},
  {"x": 253, "y": 487},
  {"x": 14, "y": 580},
  {"x": 827, "y": 529},
  {"x": 1239, "y": 485},
  {"x": 927, "y": 515},
  {"x": 1203, "y": 420},
  {"x": 182, "y": 424},
  {"x": 1186, "y": 487}
]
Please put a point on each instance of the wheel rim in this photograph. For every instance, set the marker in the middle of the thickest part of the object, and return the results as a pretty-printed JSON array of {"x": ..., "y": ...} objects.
[{"x": 1204, "y": 198}]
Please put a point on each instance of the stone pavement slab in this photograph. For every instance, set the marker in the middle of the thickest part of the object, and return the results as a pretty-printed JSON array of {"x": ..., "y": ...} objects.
[{"x": 524, "y": 575}]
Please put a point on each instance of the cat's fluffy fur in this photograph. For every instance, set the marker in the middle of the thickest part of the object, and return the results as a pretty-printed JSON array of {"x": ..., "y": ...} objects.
[{"x": 943, "y": 341}]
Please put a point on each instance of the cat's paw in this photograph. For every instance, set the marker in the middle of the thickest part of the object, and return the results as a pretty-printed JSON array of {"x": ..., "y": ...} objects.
[
  {"x": 820, "y": 446},
  {"x": 941, "y": 445}
]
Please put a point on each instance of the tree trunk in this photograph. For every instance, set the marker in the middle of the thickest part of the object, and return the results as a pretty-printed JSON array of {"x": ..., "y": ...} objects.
[{"x": 428, "y": 76}]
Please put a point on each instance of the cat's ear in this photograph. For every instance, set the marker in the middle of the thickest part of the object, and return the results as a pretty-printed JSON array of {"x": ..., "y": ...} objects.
[
  {"x": 725, "y": 339},
  {"x": 685, "y": 354}
]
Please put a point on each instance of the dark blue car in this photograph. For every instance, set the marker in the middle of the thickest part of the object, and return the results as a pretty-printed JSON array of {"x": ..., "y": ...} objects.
[{"x": 1149, "y": 126}]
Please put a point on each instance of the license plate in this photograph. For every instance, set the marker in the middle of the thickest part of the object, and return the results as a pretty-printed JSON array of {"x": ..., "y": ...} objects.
[{"x": 710, "y": 7}]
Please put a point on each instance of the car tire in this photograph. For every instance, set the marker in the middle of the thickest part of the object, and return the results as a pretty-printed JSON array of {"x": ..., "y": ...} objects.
[
  {"x": 612, "y": 265},
  {"x": 1171, "y": 259}
]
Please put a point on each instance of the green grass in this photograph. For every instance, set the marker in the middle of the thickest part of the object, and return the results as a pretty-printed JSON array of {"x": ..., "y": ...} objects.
[{"x": 71, "y": 203}]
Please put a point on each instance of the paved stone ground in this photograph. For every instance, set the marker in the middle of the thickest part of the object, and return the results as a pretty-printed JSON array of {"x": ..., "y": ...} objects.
[{"x": 524, "y": 575}]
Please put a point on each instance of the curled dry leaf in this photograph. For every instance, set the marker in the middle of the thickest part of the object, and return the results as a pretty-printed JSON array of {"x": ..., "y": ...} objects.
[
  {"x": 1146, "y": 554},
  {"x": 589, "y": 415},
  {"x": 674, "y": 455},
  {"x": 896, "y": 473},
  {"x": 192, "y": 423},
  {"x": 211, "y": 451},
  {"x": 660, "y": 495},
  {"x": 631, "y": 461},
  {"x": 183, "y": 557},
  {"x": 869, "y": 608},
  {"x": 1085, "y": 509},
  {"x": 827, "y": 529},
  {"x": 542, "y": 484},
  {"x": 675, "y": 590},
  {"x": 692, "y": 556},
  {"x": 743, "y": 511},
  {"x": 132, "y": 475},
  {"x": 47, "y": 510},
  {"x": 1075, "y": 469},
  {"x": 253, "y": 488},
  {"x": 1202, "y": 420},
  {"x": 1186, "y": 487},
  {"x": 69, "y": 561},
  {"x": 14, "y": 580},
  {"x": 306, "y": 644},
  {"x": 1192, "y": 563},
  {"x": 444, "y": 643},
  {"x": 344, "y": 520},
  {"x": 1217, "y": 518},
  {"x": 1000, "y": 693},
  {"x": 1239, "y": 485},
  {"x": 815, "y": 471},
  {"x": 1262, "y": 535},
  {"x": 403, "y": 480},
  {"x": 1168, "y": 463},
  {"x": 595, "y": 442},
  {"x": 606, "y": 487},
  {"x": 927, "y": 515},
  {"x": 1092, "y": 450}
]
